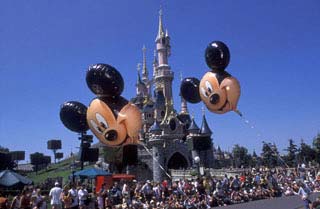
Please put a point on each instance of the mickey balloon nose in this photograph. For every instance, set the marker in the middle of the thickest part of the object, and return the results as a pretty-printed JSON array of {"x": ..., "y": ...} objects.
[
  {"x": 74, "y": 116},
  {"x": 104, "y": 80},
  {"x": 217, "y": 56}
]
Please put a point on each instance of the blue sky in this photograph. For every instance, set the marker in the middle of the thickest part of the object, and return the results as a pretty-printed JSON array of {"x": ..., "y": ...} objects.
[{"x": 46, "y": 47}]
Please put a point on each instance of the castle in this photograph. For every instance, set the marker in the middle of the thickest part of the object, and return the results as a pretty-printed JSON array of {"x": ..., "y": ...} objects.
[{"x": 172, "y": 139}]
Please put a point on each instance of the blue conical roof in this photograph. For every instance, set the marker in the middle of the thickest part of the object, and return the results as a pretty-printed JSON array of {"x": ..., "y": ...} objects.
[
  {"x": 193, "y": 128},
  {"x": 205, "y": 130}
]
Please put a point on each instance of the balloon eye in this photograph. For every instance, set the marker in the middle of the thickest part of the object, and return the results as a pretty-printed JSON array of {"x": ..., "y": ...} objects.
[
  {"x": 102, "y": 121},
  {"x": 203, "y": 92},
  {"x": 209, "y": 87},
  {"x": 95, "y": 126}
]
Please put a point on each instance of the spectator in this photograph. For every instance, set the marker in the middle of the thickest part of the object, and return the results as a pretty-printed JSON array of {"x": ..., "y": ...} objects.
[
  {"x": 15, "y": 204},
  {"x": 74, "y": 197},
  {"x": 83, "y": 197},
  {"x": 55, "y": 195}
]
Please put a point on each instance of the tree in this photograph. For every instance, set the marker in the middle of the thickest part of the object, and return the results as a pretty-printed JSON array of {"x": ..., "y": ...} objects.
[
  {"x": 39, "y": 160},
  {"x": 269, "y": 155},
  {"x": 305, "y": 153},
  {"x": 316, "y": 147},
  {"x": 292, "y": 151},
  {"x": 240, "y": 156},
  {"x": 6, "y": 161}
]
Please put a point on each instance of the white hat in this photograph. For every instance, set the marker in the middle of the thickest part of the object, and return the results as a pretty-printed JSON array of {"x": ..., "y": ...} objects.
[{"x": 56, "y": 183}]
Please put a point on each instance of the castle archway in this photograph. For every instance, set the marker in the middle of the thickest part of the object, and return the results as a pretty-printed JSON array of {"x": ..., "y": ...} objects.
[{"x": 177, "y": 161}]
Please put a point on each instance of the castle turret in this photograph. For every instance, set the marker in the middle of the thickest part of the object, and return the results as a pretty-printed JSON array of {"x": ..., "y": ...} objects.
[
  {"x": 205, "y": 130},
  {"x": 163, "y": 75}
]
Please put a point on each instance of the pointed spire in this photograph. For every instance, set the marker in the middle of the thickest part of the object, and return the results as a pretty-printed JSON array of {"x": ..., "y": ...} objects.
[
  {"x": 184, "y": 107},
  {"x": 167, "y": 33},
  {"x": 144, "y": 64},
  {"x": 193, "y": 128},
  {"x": 205, "y": 130},
  {"x": 138, "y": 70},
  {"x": 155, "y": 61},
  {"x": 160, "y": 30}
]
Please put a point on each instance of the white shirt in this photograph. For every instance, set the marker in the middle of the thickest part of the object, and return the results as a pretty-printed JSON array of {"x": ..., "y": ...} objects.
[
  {"x": 83, "y": 194},
  {"x": 55, "y": 194},
  {"x": 74, "y": 196}
]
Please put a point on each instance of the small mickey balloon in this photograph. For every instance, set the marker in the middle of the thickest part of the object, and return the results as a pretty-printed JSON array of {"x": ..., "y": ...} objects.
[{"x": 218, "y": 89}]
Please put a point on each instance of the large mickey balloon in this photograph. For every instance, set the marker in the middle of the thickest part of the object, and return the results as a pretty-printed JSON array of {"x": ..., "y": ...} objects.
[
  {"x": 112, "y": 119},
  {"x": 218, "y": 89},
  {"x": 74, "y": 116}
]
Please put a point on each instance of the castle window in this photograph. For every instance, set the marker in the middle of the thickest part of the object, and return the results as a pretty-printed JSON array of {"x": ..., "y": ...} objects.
[{"x": 172, "y": 124}]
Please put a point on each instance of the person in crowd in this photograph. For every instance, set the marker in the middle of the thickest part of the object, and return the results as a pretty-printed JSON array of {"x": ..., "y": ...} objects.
[
  {"x": 115, "y": 194},
  {"x": 101, "y": 195},
  {"x": 304, "y": 192},
  {"x": 316, "y": 204},
  {"x": 147, "y": 191},
  {"x": 74, "y": 196},
  {"x": 83, "y": 196},
  {"x": 66, "y": 198},
  {"x": 4, "y": 203},
  {"x": 25, "y": 199},
  {"x": 15, "y": 203},
  {"x": 55, "y": 196}
]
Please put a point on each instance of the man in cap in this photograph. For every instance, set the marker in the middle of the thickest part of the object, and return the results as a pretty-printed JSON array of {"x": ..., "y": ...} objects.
[{"x": 55, "y": 196}]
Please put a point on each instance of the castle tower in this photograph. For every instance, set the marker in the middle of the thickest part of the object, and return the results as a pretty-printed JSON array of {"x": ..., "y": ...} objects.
[{"x": 163, "y": 75}]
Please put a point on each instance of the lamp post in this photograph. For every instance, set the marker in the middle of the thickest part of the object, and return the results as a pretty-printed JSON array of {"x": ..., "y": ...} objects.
[{"x": 197, "y": 162}]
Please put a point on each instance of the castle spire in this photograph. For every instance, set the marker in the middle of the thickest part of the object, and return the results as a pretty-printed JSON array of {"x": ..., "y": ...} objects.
[
  {"x": 160, "y": 30},
  {"x": 144, "y": 65},
  {"x": 205, "y": 130},
  {"x": 138, "y": 70},
  {"x": 184, "y": 107}
]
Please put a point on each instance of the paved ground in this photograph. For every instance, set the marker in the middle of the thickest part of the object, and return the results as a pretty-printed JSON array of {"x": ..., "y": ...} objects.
[{"x": 292, "y": 202}]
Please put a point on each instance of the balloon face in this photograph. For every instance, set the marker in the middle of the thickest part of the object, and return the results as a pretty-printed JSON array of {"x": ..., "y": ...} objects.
[
  {"x": 219, "y": 95},
  {"x": 73, "y": 116},
  {"x": 217, "y": 56},
  {"x": 104, "y": 80},
  {"x": 188, "y": 88},
  {"x": 113, "y": 124}
]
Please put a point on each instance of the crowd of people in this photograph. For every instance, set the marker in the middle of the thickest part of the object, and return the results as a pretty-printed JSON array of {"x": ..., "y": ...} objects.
[{"x": 202, "y": 192}]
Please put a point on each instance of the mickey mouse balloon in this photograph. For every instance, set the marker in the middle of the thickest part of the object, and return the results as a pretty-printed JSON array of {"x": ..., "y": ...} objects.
[
  {"x": 218, "y": 89},
  {"x": 111, "y": 118}
]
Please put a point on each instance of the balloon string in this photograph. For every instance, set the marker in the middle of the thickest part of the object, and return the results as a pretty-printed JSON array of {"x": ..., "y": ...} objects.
[
  {"x": 155, "y": 159},
  {"x": 259, "y": 135}
]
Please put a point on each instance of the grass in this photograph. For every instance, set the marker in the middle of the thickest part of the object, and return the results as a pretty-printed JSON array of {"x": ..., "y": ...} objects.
[{"x": 60, "y": 169}]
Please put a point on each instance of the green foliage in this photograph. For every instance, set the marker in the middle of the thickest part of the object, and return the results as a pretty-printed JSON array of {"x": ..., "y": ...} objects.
[
  {"x": 291, "y": 156},
  {"x": 306, "y": 154},
  {"x": 316, "y": 147},
  {"x": 38, "y": 159},
  {"x": 240, "y": 156},
  {"x": 269, "y": 155}
]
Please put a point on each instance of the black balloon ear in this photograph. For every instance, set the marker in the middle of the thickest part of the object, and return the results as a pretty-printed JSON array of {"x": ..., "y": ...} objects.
[
  {"x": 189, "y": 90},
  {"x": 217, "y": 55},
  {"x": 104, "y": 80},
  {"x": 74, "y": 116}
]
